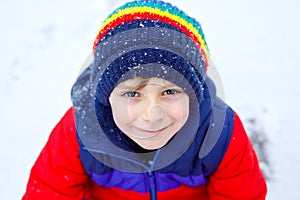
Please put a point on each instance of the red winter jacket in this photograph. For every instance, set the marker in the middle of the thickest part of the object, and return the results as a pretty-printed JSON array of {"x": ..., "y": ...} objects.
[{"x": 58, "y": 173}]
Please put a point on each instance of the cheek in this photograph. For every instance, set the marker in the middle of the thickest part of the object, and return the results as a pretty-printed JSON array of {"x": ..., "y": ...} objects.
[
  {"x": 119, "y": 114},
  {"x": 179, "y": 110},
  {"x": 133, "y": 113},
  {"x": 123, "y": 112}
]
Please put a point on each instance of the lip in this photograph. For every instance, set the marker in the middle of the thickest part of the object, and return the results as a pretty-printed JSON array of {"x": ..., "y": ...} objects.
[{"x": 154, "y": 132}]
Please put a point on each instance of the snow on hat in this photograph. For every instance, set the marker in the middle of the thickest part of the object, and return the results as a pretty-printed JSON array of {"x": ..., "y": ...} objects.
[
  {"x": 152, "y": 33},
  {"x": 155, "y": 11},
  {"x": 145, "y": 38}
]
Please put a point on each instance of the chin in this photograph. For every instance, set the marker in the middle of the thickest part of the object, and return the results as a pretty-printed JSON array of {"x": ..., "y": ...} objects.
[{"x": 151, "y": 146}]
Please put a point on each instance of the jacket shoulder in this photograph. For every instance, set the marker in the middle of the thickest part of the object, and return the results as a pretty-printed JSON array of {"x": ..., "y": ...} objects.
[
  {"x": 238, "y": 175},
  {"x": 58, "y": 172}
]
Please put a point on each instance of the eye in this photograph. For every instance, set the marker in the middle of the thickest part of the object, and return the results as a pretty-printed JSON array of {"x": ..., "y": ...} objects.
[
  {"x": 131, "y": 94},
  {"x": 170, "y": 92}
]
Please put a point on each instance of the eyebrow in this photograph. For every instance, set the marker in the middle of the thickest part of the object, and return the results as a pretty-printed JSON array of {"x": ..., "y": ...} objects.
[
  {"x": 133, "y": 86},
  {"x": 143, "y": 83}
]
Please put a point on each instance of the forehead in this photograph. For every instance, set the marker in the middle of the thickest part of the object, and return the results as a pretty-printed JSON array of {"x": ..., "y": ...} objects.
[{"x": 139, "y": 81}]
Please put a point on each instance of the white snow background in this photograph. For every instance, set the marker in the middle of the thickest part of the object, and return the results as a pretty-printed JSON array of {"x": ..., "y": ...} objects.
[{"x": 254, "y": 44}]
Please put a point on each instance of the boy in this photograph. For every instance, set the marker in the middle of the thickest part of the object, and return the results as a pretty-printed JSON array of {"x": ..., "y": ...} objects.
[{"x": 146, "y": 122}]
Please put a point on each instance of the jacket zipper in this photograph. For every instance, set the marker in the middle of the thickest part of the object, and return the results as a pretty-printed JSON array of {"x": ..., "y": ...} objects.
[
  {"x": 152, "y": 185},
  {"x": 151, "y": 177}
]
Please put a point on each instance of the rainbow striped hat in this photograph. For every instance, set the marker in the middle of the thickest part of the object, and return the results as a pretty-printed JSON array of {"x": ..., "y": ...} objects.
[{"x": 158, "y": 11}]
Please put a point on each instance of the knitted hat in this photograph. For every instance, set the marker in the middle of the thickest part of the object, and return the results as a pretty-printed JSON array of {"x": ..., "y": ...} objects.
[
  {"x": 145, "y": 38},
  {"x": 143, "y": 32}
]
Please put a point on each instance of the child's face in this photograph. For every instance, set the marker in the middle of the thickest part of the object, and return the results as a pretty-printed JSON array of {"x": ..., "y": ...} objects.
[{"x": 149, "y": 111}]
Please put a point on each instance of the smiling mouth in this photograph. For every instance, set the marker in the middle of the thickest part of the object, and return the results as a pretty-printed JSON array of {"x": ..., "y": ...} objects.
[{"x": 154, "y": 132}]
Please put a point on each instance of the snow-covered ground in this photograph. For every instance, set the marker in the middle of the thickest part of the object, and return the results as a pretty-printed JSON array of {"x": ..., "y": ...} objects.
[{"x": 253, "y": 43}]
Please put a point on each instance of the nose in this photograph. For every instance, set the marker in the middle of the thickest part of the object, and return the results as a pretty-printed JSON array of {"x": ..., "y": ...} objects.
[{"x": 153, "y": 111}]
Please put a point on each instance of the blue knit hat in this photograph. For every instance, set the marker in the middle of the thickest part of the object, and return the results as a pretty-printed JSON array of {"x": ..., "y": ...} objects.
[{"x": 141, "y": 39}]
